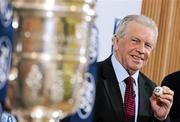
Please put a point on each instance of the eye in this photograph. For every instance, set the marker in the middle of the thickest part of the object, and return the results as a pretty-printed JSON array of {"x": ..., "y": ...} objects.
[
  {"x": 149, "y": 46},
  {"x": 135, "y": 40}
]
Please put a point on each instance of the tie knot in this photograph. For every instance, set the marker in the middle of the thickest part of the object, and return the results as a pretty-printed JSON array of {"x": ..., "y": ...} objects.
[{"x": 129, "y": 80}]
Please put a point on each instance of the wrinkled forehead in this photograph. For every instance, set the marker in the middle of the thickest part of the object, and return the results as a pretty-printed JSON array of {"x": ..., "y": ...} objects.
[
  {"x": 141, "y": 32},
  {"x": 142, "y": 29}
]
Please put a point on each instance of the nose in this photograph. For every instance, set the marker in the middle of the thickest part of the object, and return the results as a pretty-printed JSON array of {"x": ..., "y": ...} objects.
[{"x": 141, "y": 49}]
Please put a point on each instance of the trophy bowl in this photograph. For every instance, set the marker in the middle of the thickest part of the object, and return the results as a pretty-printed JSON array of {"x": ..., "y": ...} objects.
[{"x": 50, "y": 57}]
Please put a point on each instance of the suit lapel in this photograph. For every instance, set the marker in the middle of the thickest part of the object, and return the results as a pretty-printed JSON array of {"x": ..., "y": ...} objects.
[
  {"x": 144, "y": 94},
  {"x": 113, "y": 90}
]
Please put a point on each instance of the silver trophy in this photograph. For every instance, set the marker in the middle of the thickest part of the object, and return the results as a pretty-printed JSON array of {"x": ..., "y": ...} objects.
[{"x": 50, "y": 57}]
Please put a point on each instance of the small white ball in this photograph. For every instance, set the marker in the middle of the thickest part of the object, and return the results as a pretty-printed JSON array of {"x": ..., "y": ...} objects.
[{"x": 158, "y": 91}]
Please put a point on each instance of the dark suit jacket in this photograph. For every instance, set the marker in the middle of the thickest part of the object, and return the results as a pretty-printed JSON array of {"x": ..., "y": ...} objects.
[
  {"x": 109, "y": 104},
  {"x": 173, "y": 82}
]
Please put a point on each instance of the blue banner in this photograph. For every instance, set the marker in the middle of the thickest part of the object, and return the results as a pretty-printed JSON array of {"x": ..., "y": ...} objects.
[{"x": 116, "y": 24}]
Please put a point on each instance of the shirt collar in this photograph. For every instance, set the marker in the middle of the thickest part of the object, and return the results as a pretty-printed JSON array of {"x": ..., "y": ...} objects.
[{"x": 121, "y": 72}]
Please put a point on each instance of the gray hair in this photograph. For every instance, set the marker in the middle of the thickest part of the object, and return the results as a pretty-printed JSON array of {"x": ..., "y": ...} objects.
[{"x": 141, "y": 19}]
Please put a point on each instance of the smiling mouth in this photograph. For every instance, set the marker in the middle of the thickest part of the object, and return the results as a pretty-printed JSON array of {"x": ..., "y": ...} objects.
[{"x": 137, "y": 58}]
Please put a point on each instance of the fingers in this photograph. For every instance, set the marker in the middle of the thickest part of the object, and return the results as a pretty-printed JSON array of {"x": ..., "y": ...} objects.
[
  {"x": 167, "y": 93},
  {"x": 167, "y": 90},
  {"x": 167, "y": 96},
  {"x": 161, "y": 103}
]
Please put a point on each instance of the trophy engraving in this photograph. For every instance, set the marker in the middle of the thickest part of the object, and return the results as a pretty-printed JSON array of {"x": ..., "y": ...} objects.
[{"x": 34, "y": 81}]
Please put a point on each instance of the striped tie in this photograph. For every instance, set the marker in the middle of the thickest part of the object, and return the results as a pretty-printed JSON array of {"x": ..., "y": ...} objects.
[{"x": 129, "y": 100}]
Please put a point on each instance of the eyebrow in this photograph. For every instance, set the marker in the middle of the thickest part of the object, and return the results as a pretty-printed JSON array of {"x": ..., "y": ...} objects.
[{"x": 133, "y": 37}]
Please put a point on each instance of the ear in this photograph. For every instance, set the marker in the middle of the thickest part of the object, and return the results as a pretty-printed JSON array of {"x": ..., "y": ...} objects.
[{"x": 115, "y": 42}]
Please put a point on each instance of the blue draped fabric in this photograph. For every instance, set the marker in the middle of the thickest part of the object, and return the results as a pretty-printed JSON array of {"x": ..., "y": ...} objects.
[
  {"x": 6, "y": 37},
  {"x": 6, "y": 40}
]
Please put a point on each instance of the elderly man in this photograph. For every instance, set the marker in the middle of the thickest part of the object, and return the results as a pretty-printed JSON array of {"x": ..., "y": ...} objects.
[{"x": 123, "y": 93}]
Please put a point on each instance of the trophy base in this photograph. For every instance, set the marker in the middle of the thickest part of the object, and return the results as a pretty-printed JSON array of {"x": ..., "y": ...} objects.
[{"x": 39, "y": 114}]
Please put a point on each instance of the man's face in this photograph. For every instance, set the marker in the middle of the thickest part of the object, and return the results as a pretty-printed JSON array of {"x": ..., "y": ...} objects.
[{"x": 134, "y": 49}]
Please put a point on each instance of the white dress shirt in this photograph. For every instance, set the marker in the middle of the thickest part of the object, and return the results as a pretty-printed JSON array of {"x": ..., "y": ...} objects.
[{"x": 121, "y": 75}]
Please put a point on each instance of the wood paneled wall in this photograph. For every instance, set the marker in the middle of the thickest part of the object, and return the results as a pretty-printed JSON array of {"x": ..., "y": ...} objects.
[{"x": 165, "y": 58}]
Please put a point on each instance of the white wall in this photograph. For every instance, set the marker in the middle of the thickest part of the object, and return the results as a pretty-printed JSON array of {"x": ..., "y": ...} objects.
[{"x": 107, "y": 11}]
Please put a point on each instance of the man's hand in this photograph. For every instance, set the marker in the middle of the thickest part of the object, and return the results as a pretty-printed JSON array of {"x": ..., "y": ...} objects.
[{"x": 161, "y": 104}]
